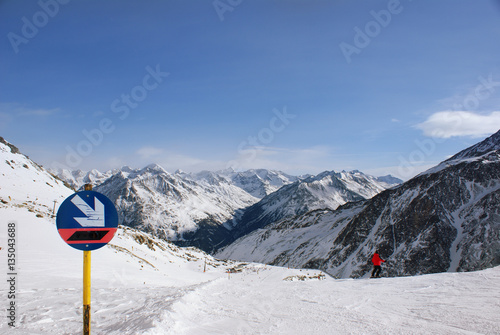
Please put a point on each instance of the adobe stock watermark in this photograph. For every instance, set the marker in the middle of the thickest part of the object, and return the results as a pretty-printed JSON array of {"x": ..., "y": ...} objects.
[
  {"x": 31, "y": 26},
  {"x": 373, "y": 28},
  {"x": 223, "y": 6},
  {"x": 454, "y": 119},
  {"x": 248, "y": 149},
  {"x": 480, "y": 93},
  {"x": 12, "y": 249},
  {"x": 121, "y": 107}
]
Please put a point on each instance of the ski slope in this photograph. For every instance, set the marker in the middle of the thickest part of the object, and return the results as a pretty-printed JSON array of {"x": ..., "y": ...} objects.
[
  {"x": 145, "y": 286},
  {"x": 430, "y": 304}
]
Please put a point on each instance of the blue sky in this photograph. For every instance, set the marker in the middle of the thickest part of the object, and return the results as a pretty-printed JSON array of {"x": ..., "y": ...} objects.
[{"x": 299, "y": 86}]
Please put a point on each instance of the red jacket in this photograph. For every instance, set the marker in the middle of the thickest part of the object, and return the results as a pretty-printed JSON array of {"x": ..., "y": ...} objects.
[{"x": 376, "y": 260}]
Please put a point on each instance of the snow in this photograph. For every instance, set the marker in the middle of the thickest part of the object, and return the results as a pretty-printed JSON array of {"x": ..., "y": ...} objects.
[
  {"x": 431, "y": 304},
  {"x": 142, "y": 291},
  {"x": 331, "y": 186},
  {"x": 263, "y": 245},
  {"x": 25, "y": 184},
  {"x": 168, "y": 203},
  {"x": 486, "y": 158}
]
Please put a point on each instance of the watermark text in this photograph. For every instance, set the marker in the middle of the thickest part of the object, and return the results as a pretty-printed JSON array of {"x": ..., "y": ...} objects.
[
  {"x": 364, "y": 36},
  {"x": 223, "y": 6},
  {"x": 31, "y": 26},
  {"x": 11, "y": 273},
  {"x": 248, "y": 149}
]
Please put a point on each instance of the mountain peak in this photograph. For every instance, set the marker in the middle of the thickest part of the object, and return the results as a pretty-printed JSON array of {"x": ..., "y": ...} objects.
[
  {"x": 126, "y": 168},
  {"x": 472, "y": 153},
  {"x": 489, "y": 144},
  {"x": 154, "y": 168},
  {"x": 389, "y": 180},
  {"x": 12, "y": 147}
]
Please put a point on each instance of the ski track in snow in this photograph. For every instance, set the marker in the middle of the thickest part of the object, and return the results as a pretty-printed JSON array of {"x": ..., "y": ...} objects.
[
  {"x": 431, "y": 304},
  {"x": 262, "y": 303},
  {"x": 115, "y": 311}
]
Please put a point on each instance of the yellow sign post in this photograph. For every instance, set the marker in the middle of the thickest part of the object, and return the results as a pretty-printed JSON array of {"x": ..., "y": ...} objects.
[
  {"x": 86, "y": 292},
  {"x": 86, "y": 283},
  {"x": 89, "y": 232}
]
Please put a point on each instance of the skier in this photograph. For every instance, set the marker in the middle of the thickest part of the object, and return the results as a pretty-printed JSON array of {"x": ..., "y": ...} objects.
[{"x": 376, "y": 260}]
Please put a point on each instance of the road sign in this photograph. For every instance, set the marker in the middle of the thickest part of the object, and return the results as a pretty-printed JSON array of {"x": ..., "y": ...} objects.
[{"x": 87, "y": 220}]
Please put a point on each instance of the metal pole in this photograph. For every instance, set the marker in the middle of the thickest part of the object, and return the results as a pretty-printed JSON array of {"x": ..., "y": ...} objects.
[
  {"x": 86, "y": 283},
  {"x": 86, "y": 292}
]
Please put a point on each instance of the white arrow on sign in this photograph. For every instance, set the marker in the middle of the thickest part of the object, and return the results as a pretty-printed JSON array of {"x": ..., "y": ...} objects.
[{"x": 94, "y": 217}]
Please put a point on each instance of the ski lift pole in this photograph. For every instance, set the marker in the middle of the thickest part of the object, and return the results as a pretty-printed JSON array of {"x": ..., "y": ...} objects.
[{"x": 86, "y": 283}]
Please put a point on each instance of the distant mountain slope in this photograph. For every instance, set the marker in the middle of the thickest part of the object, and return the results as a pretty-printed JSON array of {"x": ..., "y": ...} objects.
[
  {"x": 326, "y": 190},
  {"x": 211, "y": 209},
  {"x": 25, "y": 184},
  {"x": 189, "y": 208},
  {"x": 258, "y": 183},
  {"x": 446, "y": 219},
  {"x": 261, "y": 182},
  {"x": 490, "y": 144},
  {"x": 77, "y": 178},
  {"x": 175, "y": 208}
]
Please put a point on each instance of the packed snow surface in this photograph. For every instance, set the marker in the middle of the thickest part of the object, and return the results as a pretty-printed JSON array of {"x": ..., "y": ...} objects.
[{"x": 141, "y": 285}]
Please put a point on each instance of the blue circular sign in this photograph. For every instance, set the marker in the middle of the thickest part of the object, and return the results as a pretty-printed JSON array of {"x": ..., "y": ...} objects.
[{"x": 87, "y": 220}]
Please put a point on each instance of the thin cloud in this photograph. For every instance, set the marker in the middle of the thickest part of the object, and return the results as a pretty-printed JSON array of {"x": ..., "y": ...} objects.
[
  {"x": 114, "y": 162},
  {"x": 38, "y": 112},
  {"x": 15, "y": 109},
  {"x": 148, "y": 152},
  {"x": 295, "y": 160},
  {"x": 448, "y": 124},
  {"x": 173, "y": 161}
]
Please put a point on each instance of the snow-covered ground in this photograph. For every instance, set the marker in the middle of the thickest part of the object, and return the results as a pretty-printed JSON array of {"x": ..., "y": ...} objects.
[
  {"x": 145, "y": 286},
  {"x": 265, "y": 304}
]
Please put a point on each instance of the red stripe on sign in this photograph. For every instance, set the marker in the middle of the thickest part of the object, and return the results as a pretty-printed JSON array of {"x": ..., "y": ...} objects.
[{"x": 66, "y": 235}]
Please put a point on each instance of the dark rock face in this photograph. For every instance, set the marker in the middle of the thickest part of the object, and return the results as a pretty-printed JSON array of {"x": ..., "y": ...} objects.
[
  {"x": 451, "y": 223},
  {"x": 209, "y": 236}
]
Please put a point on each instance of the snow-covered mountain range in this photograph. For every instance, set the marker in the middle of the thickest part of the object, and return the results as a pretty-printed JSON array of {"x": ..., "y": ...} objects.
[
  {"x": 146, "y": 285},
  {"x": 211, "y": 209},
  {"x": 77, "y": 178},
  {"x": 190, "y": 212},
  {"x": 445, "y": 219},
  {"x": 325, "y": 190},
  {"x": 256, "y": 182}
]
